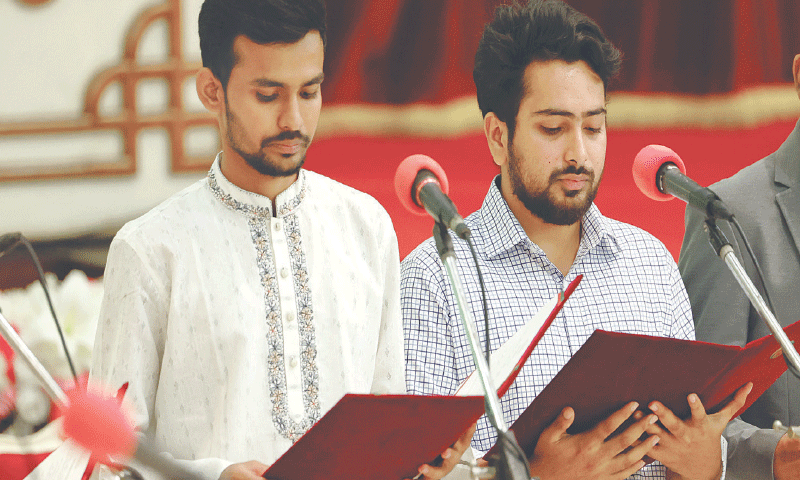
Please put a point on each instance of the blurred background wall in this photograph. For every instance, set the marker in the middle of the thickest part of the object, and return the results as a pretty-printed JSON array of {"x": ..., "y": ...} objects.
[{"x": 99, "y": 120}]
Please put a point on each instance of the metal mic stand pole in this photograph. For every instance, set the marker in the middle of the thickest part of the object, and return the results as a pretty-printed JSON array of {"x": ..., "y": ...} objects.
[
  {"x": 48, "y": 383},
  {"x": 145, "y": 453},
  {"x": 724, "y": 250},
  {"x": 512, "y": 464}
]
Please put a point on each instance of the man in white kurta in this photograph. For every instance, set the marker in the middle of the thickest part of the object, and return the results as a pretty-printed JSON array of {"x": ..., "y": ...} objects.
[
  {"x": 238, "y": 326},
  {"x": 243, "y": 308}
]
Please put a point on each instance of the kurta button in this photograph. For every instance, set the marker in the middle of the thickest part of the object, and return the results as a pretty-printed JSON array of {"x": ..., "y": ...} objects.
[
  {"x": 289, "y": 317},
  {"x": 277, "y": 226},
  {"x": 293, "y": 362},
  {"x": 284, "y": 272}
]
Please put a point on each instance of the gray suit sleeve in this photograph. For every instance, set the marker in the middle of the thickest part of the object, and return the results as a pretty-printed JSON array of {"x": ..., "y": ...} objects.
[
  {"x": 751, "y": 450},
  {"x": 721, "y": 313}
]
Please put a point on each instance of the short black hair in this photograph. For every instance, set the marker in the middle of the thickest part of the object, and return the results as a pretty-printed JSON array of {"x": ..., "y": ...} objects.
[
  {"x": 262, "y": 21},
  {"x": 541, "y": 30}
]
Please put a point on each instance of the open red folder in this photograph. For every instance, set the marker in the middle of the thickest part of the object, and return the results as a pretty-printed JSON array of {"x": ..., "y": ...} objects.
[
  {"x": 377, "y": 436},
  {"x": 612, "y": 369},
  {"x": 388, "y": 437}
]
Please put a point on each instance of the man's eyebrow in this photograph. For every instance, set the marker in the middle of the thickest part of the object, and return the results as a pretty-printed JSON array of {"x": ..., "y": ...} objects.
[
  {"x": 316, "y": 80},
  {"x": 267, "y": 83},
  {"x": 566, "y": 113}
]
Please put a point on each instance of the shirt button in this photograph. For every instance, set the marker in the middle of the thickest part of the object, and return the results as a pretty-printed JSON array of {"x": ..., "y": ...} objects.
[
  {"x": 284, "y": 272},
  {"x": 293, "y": 361},
  {"x": 277, "y": 226},
  {"x": 289, "y": 316}
]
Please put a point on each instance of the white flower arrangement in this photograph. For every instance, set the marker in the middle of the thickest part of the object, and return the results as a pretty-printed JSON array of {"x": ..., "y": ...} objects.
[{"x": 76, "y": 301}]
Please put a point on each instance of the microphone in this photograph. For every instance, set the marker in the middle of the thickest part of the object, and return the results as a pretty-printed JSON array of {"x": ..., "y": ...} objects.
[
  {"x": 92, "y": 421},
  {"x": 9, "y": 241},
  {"x": 421, "y": 185},
  {"x": 661, "y": 175},
  {"x": 99, "y": 425}
]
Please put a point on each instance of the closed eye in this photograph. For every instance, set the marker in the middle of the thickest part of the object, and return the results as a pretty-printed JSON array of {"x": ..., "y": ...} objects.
[{"x": 266, "y": 98}]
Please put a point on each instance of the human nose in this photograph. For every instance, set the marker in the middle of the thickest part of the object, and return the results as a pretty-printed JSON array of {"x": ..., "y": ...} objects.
[
  {"x": 290, "y": 118},
  {"x": 577, "y": 152}
]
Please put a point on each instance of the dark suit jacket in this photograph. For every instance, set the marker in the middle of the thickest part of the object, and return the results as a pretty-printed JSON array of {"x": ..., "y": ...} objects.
[{"x": 765, "y": 198}]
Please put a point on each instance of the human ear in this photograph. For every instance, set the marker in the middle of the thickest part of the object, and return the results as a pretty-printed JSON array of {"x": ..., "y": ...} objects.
[
  {"x": 496, "y": 132},
  {"x": 796, "y": 73},
  {"x": 210, "y": 91}
]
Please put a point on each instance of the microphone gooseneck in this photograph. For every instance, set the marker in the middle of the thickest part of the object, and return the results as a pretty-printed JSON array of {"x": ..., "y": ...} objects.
[{"x": 661, "y": 175}]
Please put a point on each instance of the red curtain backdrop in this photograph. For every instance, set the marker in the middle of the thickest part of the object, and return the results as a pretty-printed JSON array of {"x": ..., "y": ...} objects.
[
  {"x": 405, "y": 51},
  {"x": 399, "y": 52}
]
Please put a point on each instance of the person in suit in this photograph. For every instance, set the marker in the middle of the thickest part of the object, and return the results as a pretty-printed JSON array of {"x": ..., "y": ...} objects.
[{"x": 765, "y": 198}]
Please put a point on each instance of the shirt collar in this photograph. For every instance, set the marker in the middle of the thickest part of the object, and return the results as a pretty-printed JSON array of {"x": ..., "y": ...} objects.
[
  {"x": 502, "y": 229},
  {"x": 252, "y": 203},
  {"x": 504, "y": 232}
]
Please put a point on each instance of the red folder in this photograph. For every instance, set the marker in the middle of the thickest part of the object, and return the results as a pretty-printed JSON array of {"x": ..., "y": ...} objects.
[
  {"x": 612, "y": 369},
  {"x": 377, "y": 437},
  {"x": 388, "y": 437}
]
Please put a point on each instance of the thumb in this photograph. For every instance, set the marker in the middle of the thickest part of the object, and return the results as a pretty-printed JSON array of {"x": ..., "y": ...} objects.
[{"x": 559, "y": 427}]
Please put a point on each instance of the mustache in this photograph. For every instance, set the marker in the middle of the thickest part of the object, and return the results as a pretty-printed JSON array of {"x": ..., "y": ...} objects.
[
  {"x": 287, "y": 135},
  {"x": 572, "y": 170}
]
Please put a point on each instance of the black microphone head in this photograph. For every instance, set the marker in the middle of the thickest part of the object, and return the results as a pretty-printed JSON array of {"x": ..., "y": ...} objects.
[
  {"x": 405, "y": 180},
  {"x": 8, "y": 241},
  {"x": 647, "y": 169}
]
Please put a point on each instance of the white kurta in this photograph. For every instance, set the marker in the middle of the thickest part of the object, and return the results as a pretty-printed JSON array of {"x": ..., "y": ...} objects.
[{"x": 238, "y": 329}]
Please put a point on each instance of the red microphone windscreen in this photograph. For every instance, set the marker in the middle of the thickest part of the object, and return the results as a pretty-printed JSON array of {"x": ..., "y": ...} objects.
[
  {"x": 406, "y": 174},
  {"x": 99, "y": 425},
  {"x": 645, "y": 169}
]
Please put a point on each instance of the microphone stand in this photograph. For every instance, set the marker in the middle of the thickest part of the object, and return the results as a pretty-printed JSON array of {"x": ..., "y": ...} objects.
[
  {"x": 724, "y": 250},
  {"x": 790, "y": 431},
  {"x": 48, "y": 383},
  {"x": 145, "y": 452},
  {"x": 512, "y": 462}
]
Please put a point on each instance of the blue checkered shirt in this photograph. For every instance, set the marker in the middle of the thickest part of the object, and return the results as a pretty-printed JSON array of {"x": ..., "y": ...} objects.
[{"x": 631, "y": 284}]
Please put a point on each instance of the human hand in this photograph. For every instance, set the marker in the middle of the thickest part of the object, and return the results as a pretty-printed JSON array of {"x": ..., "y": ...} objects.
[
  {"x": 786, "y": 465},
  {"x": 592, "y": 454},
  {"x": 450, "y": 457},
  {"x": 691, "y": 449},
  {"x": 252, "y": 470}
]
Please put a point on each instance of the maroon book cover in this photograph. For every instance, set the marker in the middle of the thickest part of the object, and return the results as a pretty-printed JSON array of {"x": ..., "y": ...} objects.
[
  {"x": 390, "y": 436},
  {"x": 612, "y": 369},
  {"x": 377, "y": 437}
]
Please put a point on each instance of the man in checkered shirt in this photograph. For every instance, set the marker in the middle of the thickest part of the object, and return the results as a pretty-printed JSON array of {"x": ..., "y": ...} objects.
[{"x": 541, "y": 73}]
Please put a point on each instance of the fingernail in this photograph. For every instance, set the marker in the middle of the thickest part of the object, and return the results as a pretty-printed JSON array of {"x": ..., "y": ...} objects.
[
  {"x": 568, "y": 414},
  {"x": 654, "y": 407},
  {"x": 655, "y": 439},
  {"x": 446, "y": 453},
  {"x": 423, "y": 469},
  {"x": 634, "y": 406},
  {"x": 638, "y": 415},
  {"x": 653, "y": 419},
  {"x": 692, "y": 398}
]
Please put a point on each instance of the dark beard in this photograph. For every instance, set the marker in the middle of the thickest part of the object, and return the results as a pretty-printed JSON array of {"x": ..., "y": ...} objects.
[
  {"x": 258, "y": 160},
  {"x": 541, "y": 204}
]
